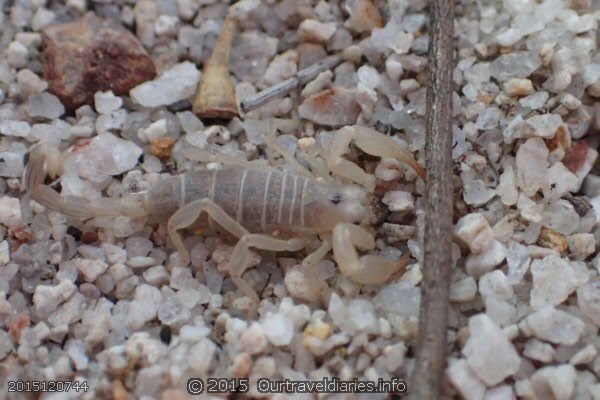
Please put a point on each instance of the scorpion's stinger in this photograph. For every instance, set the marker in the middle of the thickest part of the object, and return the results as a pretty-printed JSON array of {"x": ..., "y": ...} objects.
[{"x": 46, "y": 158}]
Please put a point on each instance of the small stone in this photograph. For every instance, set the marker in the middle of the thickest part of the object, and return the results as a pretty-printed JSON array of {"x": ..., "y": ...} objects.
[
  {"x": 580, "y": 121},
  {"x": 201, "y": 355},
  {"x": 105, "y": 155},
  {"x": 177, "y": 83},
  {"x": 42, "y": 18},
  {"x": 45, "y": 105},
  {"x": 173, "y": 313},
  {"x": 475, "y": 232},
  {"x": 532, "y": 166},
  {"x": 17, "y": 55},
  {"x": 112, "y": 121},
  {"x": 502, "y": 392},
  {"x": 253, "y": 340},
  {"x": 161, "y": 147},
  {"x": 544, "y": 125},
  {"x": 362, "y": 317},
  {"x": 393, "y": 37},
  {"x": 394, "y": 356},
  {"x": 535, "y": 100},
  {"x": 516, "y": 64},
  {"x": 588, "y": 300},
  {"x": 397, "y": 233},
  {"x": 76, "y": 351},
  {"x": 551, "y": 239},
  {"x": 10, "y": 212},
  {"x": 89, "y": 268},
  {"x": 539, "y": 351},
  {"x": 278, "y": 328},
  {"x": 463, "y": 378},
  {"x": 4, "y": 252},
  {"x": 144, "y": 306},
  {"x": 580, "y": 159},
  {"x": 311, "y": 30},
  {"x": 105, "y": 102},
  {"x": 16, "y": 128},
  {"x": 166, "y": 25},
  {"x": 282, "y": 67},
  {"x": 554, "y": 279},
  {"x": 319, "y": 330},
  {"x": 479, "y": 264},
  {"x": 301, "y": 285},
  {"x": 30, "y": 83},
  {"x": 559, "y": 144},
  {"x": 560, "y": 181},
  {"x": 507, "y": 187},
  {"x": 364, "y": 16},
  {"x": 399, "y": 201},
  {"x": 517, "y": 259},
  {"x": 584, "y": 356},
  {"x": 552, "y": 325},
  {"x": 332, "y": 107},
  {"x": 463, "y": 291},
  {"x": 47, "y": 298},
  {"x": 6, "y": 345},
  {"x": 491, "y": 356},
  {"x": 154, "y": 131},
  {"x": 90, "y": 54},
  {"x": 556, "y": 382},
  {"x": 582, "y": 245},
  {"x": 518, "y": 87}
]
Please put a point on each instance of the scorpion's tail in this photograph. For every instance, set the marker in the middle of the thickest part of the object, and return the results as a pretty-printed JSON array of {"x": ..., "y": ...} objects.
[{"x": 46, "y": 159}]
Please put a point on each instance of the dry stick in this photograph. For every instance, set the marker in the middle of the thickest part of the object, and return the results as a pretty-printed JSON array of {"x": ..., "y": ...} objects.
[
  {"x": 281, "y": 89},
  {"x": 437, "y": 261}
]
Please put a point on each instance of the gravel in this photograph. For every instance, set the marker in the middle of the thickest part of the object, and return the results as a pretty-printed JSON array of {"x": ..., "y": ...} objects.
[{"x": 108, "y": 301}]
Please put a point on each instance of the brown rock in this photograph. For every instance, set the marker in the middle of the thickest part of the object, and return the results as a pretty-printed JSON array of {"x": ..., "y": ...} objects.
[
  {"x": 331, "y": 107},
  {"x": 91, "y": 54},
  {"x": 161, "y": 147},
  {"x": 551, "y": 239},
  {"x": 577, "y": 156},
  {"x": 17, "y": 325},
  {"x": 560, "y": 143},
  {"x": 89, "y": 237},
  {"x": 364, "y": 16}
]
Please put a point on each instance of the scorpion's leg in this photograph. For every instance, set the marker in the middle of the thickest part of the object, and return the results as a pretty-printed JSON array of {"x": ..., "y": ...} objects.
[
  {"x": 313, "y": 258},
  {"x": 371, "y": 142},
  {"x": 189, "y": 213},
  {"x": 241, "y": 253},
  {"x": 309, "y": 263},
  {"x": 368, "y": 269}
]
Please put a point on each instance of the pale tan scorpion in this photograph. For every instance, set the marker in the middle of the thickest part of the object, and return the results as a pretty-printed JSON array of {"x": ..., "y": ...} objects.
[{"x": 262, "y": 206}]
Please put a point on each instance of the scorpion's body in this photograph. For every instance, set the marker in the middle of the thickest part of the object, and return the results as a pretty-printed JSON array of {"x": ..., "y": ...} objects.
[
  {"x": 263, "y": 201},
  {"x": 262, "y": 206}
]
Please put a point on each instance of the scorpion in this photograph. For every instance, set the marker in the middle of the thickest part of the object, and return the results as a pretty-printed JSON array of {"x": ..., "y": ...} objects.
[{"x": 264, "y": 207}]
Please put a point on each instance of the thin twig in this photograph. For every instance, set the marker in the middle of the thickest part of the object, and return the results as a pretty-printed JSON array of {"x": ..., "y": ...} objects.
[
  {"x": 437, "y": 261},
  {"x": 281, "y": 89}
]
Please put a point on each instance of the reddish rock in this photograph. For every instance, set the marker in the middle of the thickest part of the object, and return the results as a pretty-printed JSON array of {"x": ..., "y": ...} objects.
[
  {"x": 17, "y": 325},
  {"x": 577, "y": 156},
  {"x": 580, "y": 159},
  {"x": 89, "y": 237},
  {"x": 90, "y": 54},
  {"x": 331, "y": 107}
]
